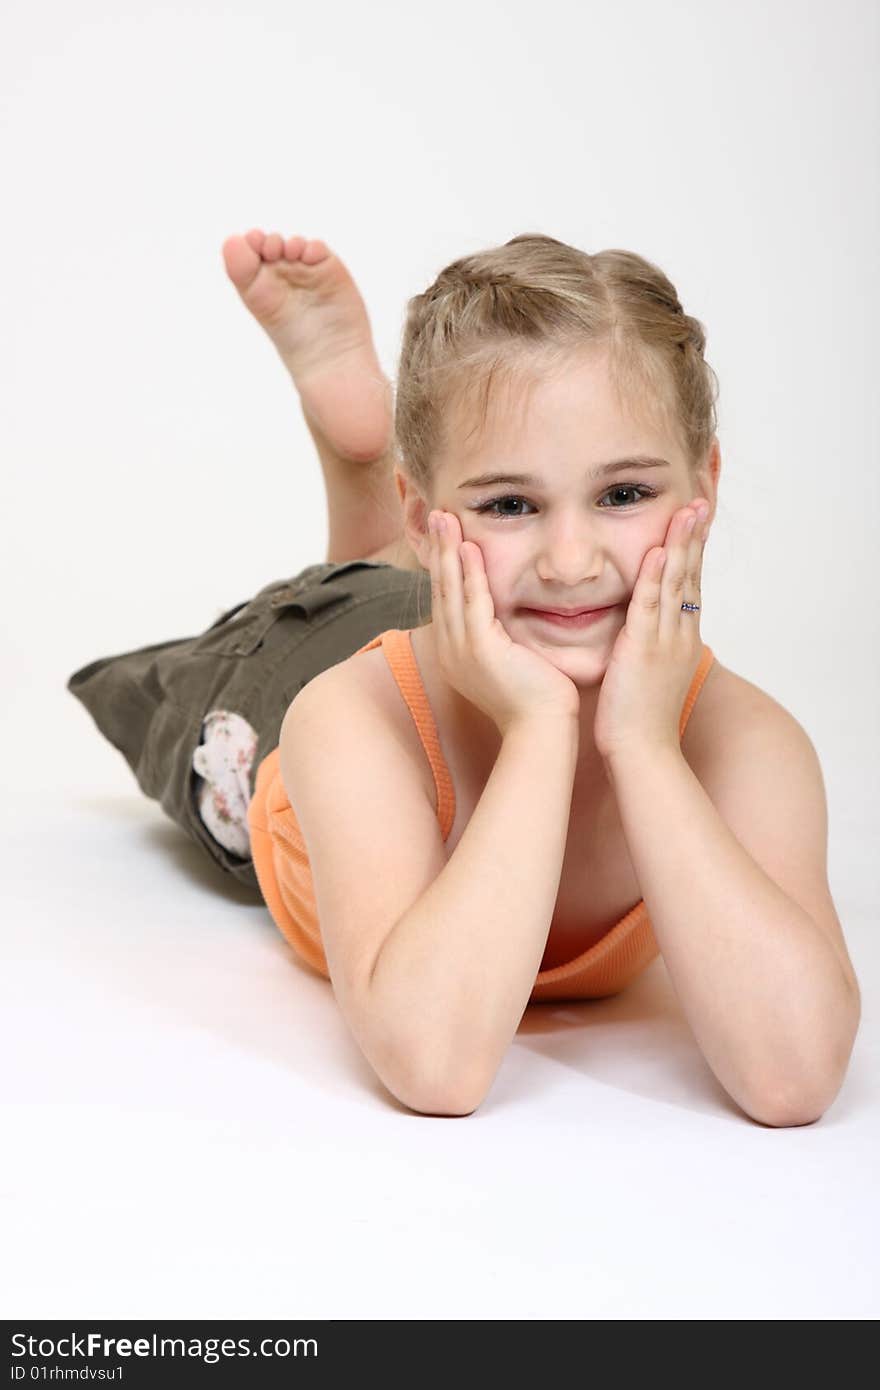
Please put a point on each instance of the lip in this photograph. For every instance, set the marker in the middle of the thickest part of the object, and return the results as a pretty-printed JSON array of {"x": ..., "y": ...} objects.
[
  {"x": 569, "y": 612},
  {"x": 577, "y": 617}
]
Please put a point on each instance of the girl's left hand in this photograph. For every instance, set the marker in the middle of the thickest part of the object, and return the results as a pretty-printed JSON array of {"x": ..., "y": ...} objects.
[{"x": 658, "y": 649}]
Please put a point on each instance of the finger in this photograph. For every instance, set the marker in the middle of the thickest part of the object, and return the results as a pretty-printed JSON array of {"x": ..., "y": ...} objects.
[
  {"x": 476, "y": 607},
  {"x": 678, "y": 544},
  {"x": 643, "y": 613},
  {"x": 694, "y": 570},
  {"x": 438, "y": 607},
  {"x": 693, "y": 578},
  {"x": 701, "y": 533},
  {"x": 479, "y": 606},
  {"x": 451, "y": 582}
]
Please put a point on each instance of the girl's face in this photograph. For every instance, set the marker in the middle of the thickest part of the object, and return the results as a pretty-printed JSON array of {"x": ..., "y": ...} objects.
[{"x": 566, "y": 523}]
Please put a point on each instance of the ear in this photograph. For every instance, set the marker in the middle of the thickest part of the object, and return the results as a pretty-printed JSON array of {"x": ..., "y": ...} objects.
[
  {"x": 714, "y": 462},
  {"x": 415, "y": 517},
  {"x": 708, "y": 475}
]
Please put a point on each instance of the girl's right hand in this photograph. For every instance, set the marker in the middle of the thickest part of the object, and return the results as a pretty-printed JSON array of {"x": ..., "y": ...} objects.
[{"x": 507, "y": 681}]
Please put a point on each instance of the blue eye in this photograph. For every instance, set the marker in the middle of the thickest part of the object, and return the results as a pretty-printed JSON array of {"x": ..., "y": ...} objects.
[{"x": 489, "y": 508}]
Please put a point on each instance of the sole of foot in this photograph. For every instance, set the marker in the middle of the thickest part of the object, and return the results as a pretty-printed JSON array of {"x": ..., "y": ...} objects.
[{"x": 305, "y": 299}]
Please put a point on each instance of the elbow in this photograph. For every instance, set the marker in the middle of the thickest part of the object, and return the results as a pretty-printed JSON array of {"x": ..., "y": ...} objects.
[
  {"x": 795, "y": 1105},
  {"x": 784, "y": 1116},
  {"x": 420, "y": 1072},
  {"x": 443, "y": 1107},
  {"x": 804, "y": 1100},
  {"x": 427, "y": 1093},
  {"x": 448, "y": 1100}
]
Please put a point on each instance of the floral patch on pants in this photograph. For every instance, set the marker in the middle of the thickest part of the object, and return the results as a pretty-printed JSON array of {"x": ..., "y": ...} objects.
[{"x": 223, "y": 761}]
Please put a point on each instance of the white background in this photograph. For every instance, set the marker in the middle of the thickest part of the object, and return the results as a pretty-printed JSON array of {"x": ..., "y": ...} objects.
[{"x": 157, "y": 469}]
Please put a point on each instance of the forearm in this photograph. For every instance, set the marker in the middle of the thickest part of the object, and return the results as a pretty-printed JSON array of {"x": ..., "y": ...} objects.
[
  {"x": 759, "y": 982},
  {"x": 455, "y": 974}
]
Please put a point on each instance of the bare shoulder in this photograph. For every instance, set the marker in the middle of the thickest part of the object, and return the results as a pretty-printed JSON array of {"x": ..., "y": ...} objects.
[
  {"x": 362, "y": 689},
  {"x": 358, "y": 680},
  {"x": 727, "y": 703},
  {"x": 736, "y": 724}
]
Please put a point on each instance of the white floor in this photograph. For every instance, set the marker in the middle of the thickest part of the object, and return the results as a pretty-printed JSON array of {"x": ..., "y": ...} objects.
[{"x": 192, "y": 1131}]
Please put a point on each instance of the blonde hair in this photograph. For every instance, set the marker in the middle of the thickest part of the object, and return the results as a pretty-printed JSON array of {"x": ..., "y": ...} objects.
[{"x": 521, "y": 311}]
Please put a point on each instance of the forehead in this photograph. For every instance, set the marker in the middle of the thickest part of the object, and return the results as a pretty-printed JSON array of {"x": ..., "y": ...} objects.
[{"x": 579, "y": 402}]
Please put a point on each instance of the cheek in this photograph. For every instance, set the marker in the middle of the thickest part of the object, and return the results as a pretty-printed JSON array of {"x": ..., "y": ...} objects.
[
  {"x": 625, "y": 553},
  {"x": 630, "y": 553},
  {"x": 501, "y": 570}
]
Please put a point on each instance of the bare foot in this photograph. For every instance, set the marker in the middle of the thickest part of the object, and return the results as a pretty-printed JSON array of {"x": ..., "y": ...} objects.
[{"x": 312, "y": 310}]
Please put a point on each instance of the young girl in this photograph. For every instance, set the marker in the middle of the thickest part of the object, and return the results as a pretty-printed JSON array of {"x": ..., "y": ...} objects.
[{"x": 530, "y": 795}]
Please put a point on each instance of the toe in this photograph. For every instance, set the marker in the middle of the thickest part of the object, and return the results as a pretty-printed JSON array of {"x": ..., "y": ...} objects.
[
  {"x": 255, "y": 238},
  {"x": 241, "y": 260},
  {"x": 315, "y": 251},
  {"x": 273, "y": 247},
  {"x": 293, "y": 247}
]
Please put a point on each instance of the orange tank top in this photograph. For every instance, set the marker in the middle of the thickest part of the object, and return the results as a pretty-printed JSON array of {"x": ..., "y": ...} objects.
[{"x": 283, "y": 873}]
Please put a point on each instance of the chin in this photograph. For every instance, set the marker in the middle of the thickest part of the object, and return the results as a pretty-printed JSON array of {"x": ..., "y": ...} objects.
[
  {"x": 586, "y": 666},
  {"x": 584, "y": 658}
]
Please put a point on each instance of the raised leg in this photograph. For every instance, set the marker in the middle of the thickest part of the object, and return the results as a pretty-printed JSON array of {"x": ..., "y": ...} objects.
[
  {"x": 307, "y": 302},
  {"x": 364, "y": 515}
]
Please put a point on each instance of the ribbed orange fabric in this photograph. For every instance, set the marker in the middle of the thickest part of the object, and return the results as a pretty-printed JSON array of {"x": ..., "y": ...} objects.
[{"x": 282, "y": 865}]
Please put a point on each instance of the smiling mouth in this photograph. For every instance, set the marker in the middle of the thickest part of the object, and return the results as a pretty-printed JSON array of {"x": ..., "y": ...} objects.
[
  {"x": 572, "y": 619},
  {"x": 570, "y": 612}
]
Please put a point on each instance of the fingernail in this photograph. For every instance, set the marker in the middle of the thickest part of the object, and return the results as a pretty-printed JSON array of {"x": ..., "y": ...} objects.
[{"x": 432, "y": 521}]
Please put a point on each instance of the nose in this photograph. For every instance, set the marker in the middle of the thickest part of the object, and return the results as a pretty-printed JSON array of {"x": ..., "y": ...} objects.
[{"x": 568, "y": 557}]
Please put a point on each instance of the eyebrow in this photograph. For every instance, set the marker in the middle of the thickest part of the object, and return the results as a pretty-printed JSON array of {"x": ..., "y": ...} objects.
[{"x": 602, "y": 470}]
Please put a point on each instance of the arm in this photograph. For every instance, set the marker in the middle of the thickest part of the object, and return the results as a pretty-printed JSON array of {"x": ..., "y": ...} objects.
[
  {"x": 755, "y": 953},
  {"x": 457, "y": 969}
]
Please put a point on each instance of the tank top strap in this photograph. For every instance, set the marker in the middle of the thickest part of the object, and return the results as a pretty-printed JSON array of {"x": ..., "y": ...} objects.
[
  {"x": 696, "y": 686},
  {"x": 398, "y": 649},
  {"x": 397, "y": 645}
]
